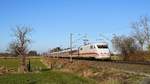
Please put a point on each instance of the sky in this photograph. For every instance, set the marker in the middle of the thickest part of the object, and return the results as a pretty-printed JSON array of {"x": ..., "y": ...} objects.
[{"x": 53, "y": 20}]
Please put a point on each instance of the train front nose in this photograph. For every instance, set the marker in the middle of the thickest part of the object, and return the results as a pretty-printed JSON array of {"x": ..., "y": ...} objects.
[{"x": 103, "y": 54}]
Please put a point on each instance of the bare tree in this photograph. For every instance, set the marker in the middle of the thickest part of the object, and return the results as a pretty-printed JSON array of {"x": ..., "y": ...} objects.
[
  {"x": 145, "y": 22},
  {"x": 124, "y": 44},
  {"x": 141, "y": 31},
  {"x": 12, "y": 49},
  {"x": 21, "y": 34},
  {"x": 138, "y": 34}
]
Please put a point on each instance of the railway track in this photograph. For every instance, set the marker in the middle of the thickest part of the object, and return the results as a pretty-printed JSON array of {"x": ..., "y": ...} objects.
[
  {"x": 137, "y": 67},
  {"x": 122, "y": 62},
  {"x": 109, "y": 61},
  {"x": 132, "y": 62}
]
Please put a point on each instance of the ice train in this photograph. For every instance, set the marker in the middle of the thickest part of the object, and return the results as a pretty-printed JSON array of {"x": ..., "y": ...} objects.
[{"x": 93, "y": 50}]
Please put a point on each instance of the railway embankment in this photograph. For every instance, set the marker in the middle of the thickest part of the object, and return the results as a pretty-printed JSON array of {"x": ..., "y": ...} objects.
[{"x": 102, "y": 71}]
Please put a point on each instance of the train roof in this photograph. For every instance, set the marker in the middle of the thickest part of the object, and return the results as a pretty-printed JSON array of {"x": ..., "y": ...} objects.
[
  {"x": 100, "y": 43},
  {"x": 74, "y": 49}
]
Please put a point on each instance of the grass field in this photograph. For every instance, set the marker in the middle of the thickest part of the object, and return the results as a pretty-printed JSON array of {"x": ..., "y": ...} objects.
[
  {"x": 103, "y": 72},
  {"x": 9, "y": 63},
  {"x": 43, "y": 76},
  {"x": 48, "y": 77},
  {"x": 14, "y": 63}
]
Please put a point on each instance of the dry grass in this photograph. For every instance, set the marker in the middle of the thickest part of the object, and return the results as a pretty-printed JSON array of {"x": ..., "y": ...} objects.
[{"x": 102, "y": 72}]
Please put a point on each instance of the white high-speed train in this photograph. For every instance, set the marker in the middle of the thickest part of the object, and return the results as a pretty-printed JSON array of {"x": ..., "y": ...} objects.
[{"x": 94, "y": 50}]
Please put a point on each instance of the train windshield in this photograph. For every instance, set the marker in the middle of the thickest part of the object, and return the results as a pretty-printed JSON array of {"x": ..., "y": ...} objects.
[{"x": 102, "y": 46}]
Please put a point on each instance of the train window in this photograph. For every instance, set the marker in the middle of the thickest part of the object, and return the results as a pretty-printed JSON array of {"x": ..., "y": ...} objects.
[
  {"x": 102, "y": 46},
  {"x": 81, "y": 49}
]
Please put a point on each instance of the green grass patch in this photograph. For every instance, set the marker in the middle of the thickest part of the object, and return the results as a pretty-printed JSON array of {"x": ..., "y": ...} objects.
[
  {"x": 40, "y": 77},
  {"x": 37, "y": 64},
  {"x": 49, "y": 77},
  {"x": 10, "y": 63},
  {"x": 14, "y": 63},
  {"x": 117, "y": 58}
]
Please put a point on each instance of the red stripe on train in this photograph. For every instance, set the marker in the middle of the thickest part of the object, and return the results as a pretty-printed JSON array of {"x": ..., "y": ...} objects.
[{"x": 88, "y": 53}]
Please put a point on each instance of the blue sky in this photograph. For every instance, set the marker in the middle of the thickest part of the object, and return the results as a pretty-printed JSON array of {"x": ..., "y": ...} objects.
[{"x": 54, "y": 20}]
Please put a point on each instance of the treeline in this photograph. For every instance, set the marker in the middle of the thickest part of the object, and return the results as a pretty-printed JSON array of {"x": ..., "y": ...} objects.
[
  {"x": 136, "y": 45},
  {"x": 14, "y": 54}
]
